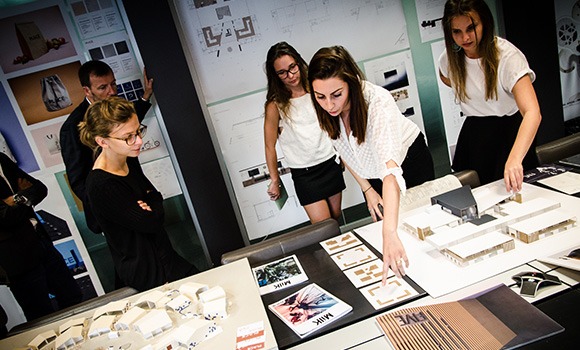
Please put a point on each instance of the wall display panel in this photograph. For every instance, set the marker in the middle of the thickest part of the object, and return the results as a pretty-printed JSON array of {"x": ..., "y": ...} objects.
[
  {"x": 452, "y": 115},
  {"x": 429, "y": 14},
  {"x": 227, "y": 42},
  {"x": 568, "y": 32},
  {"x": 397, "y": 74},
  {"x": 42, "y": 46}
]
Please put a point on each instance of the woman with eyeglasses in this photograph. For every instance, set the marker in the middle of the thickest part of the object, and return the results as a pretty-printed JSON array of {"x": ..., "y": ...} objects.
[
  {"x": 291, "y": 119},
  {"x": 125, "y": 203},
  {"x": 492, "y": 82},
  {"x": 384, "y": 151}
]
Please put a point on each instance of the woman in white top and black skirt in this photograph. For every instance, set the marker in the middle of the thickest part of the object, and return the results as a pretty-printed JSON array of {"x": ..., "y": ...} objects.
[
  {"x": 492, "y": 81},
  {"x": 384, "y": 151},
  {"x": 291, "y": 119}
]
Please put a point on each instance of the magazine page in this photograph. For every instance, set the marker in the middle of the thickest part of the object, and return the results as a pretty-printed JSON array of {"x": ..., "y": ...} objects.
[
  {"x": 279, "y": 274},
  {"x": 309, "y": 309}
]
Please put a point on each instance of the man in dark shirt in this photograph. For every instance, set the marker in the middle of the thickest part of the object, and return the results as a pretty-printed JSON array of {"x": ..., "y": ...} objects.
[
  {"x": 98, "y": 82},
  {"x": 33, "y": 265}
]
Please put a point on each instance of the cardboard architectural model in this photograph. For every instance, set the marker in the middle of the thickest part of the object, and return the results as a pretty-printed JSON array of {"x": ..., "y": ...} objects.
[{"x": 451, "y": 228}]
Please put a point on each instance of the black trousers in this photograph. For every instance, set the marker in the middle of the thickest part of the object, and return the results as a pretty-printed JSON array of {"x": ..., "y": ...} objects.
[
  {"x": 31, "y": 289},
  {"x": 417, "y": 166}
]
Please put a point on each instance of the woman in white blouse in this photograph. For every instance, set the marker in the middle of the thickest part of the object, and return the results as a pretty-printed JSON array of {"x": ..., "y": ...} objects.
[
  {"x": 384, "y": 151},
  {"x": 290, "y": 119}
]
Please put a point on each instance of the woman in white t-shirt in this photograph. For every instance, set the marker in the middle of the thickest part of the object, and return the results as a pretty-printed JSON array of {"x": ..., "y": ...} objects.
[
  {"x": 384, "y": 151},
  {"x": 290, "y": 118},
  {"x": 492, "y": 82}
]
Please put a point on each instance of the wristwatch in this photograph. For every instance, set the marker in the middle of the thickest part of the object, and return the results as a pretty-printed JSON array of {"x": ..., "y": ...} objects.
[{"x": 20, "y": 199}]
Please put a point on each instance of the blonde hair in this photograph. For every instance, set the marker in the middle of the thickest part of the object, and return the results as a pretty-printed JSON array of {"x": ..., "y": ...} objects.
[{"x": 102, "y": 117}]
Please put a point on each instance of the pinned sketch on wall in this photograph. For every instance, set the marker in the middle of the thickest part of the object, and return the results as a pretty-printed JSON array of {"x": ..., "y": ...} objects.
[
  {"x": 162, "y": 174},
  {"x": 229, "y": 39},
  {"x": 46, "y": 137},
  {"x": 114, "y": 49},
  {"x": 95, "y": 18},
  {"x": 429, "y": 15},
  {"x": 397, "y": 74},
  {"x": 453, "y": 118},
  {"x": 568, "y": 31}
]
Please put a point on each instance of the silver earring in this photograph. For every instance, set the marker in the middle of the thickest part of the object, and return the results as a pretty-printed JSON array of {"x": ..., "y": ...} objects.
[{"x": 456, "y": 48}]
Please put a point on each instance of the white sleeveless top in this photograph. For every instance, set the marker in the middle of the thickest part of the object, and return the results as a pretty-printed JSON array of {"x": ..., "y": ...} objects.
[{"x": 303, "y": 142}]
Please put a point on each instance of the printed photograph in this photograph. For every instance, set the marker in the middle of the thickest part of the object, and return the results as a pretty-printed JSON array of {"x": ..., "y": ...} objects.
[{"x": 34, "y": 38}]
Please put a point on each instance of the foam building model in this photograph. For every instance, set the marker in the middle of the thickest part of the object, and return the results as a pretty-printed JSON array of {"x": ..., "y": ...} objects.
[
  {"x": 70, "y": 338},
  {"x": 153, "y": 323},
  {"x": 165, "y": 318},
  {"x": 450, "y": 226},
  {"x": 213, "y": 303},
  {"x": 44, "y": 340}
]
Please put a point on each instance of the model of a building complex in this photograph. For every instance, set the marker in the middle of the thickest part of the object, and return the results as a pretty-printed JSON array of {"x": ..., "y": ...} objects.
[
  {"x": 167, "y": 319},
  {"x": 468, "y": 226}
]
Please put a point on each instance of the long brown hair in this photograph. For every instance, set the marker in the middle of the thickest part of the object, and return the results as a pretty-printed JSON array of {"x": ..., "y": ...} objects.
[
  {"x": 336, "y": 62},
  {"x": 102, "y": 117},
  {"x": 486, "y": 46},
  {"x": 277, "y": 91}
]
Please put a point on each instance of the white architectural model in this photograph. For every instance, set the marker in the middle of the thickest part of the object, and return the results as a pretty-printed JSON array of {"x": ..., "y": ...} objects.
[
  {"x": 102, "y": 325},
  {"x": 155, "y": 322},
  {"x": 126, "y": 321},
  {"x": 69, "y": 338},
  {"x": 493, "y": 232},
  {"x": 153, "y": 314}
]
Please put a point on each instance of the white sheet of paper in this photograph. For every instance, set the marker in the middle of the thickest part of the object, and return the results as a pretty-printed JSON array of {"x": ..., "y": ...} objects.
[
  {"x": 567, "y": 182},
  {"x": 394, "y": 291},
  {"x": 353, "y": 257}
]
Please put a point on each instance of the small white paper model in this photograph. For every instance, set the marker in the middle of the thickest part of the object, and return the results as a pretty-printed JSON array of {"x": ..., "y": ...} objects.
[
  {"x": 194, "y": 332},
  {"x": 488, "y": 196},
  {"x": 479, "y": 248},
  {"x": 101, "y": 326},
  {"x": 422, "y": 224},
  {"x": 153, "y": 323},
  {"x": 543, "y": 225},
  {"x": 179, "y": 303},
  {"x": 153, "y": 299},
  {"x": 113, "y": 308},
  {"x": 214, "y": 303},
  {"x": 192, "y": 289},
  {"x": 127, "y": 320},
  {"x": 74, "y": 322},
  {"x": 42, "y": 340},
  {"x": 71, "y": 337},
  {"x": 167, "y": 341}
]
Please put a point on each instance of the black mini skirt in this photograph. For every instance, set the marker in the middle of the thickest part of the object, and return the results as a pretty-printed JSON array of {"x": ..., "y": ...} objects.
[{"x": 318, "y": 182}]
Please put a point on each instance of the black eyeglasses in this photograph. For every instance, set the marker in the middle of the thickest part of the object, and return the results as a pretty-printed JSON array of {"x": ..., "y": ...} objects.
[
  {"x": 132, "y": 138},
  {"x": 283, "y": 73}
]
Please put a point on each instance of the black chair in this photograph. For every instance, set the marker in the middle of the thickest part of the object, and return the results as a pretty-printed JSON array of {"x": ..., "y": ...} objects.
[
  {"x": 284, "y": 244},
  {"x": 559, "y": 149},
  {"x": 87, "y": 305}
]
